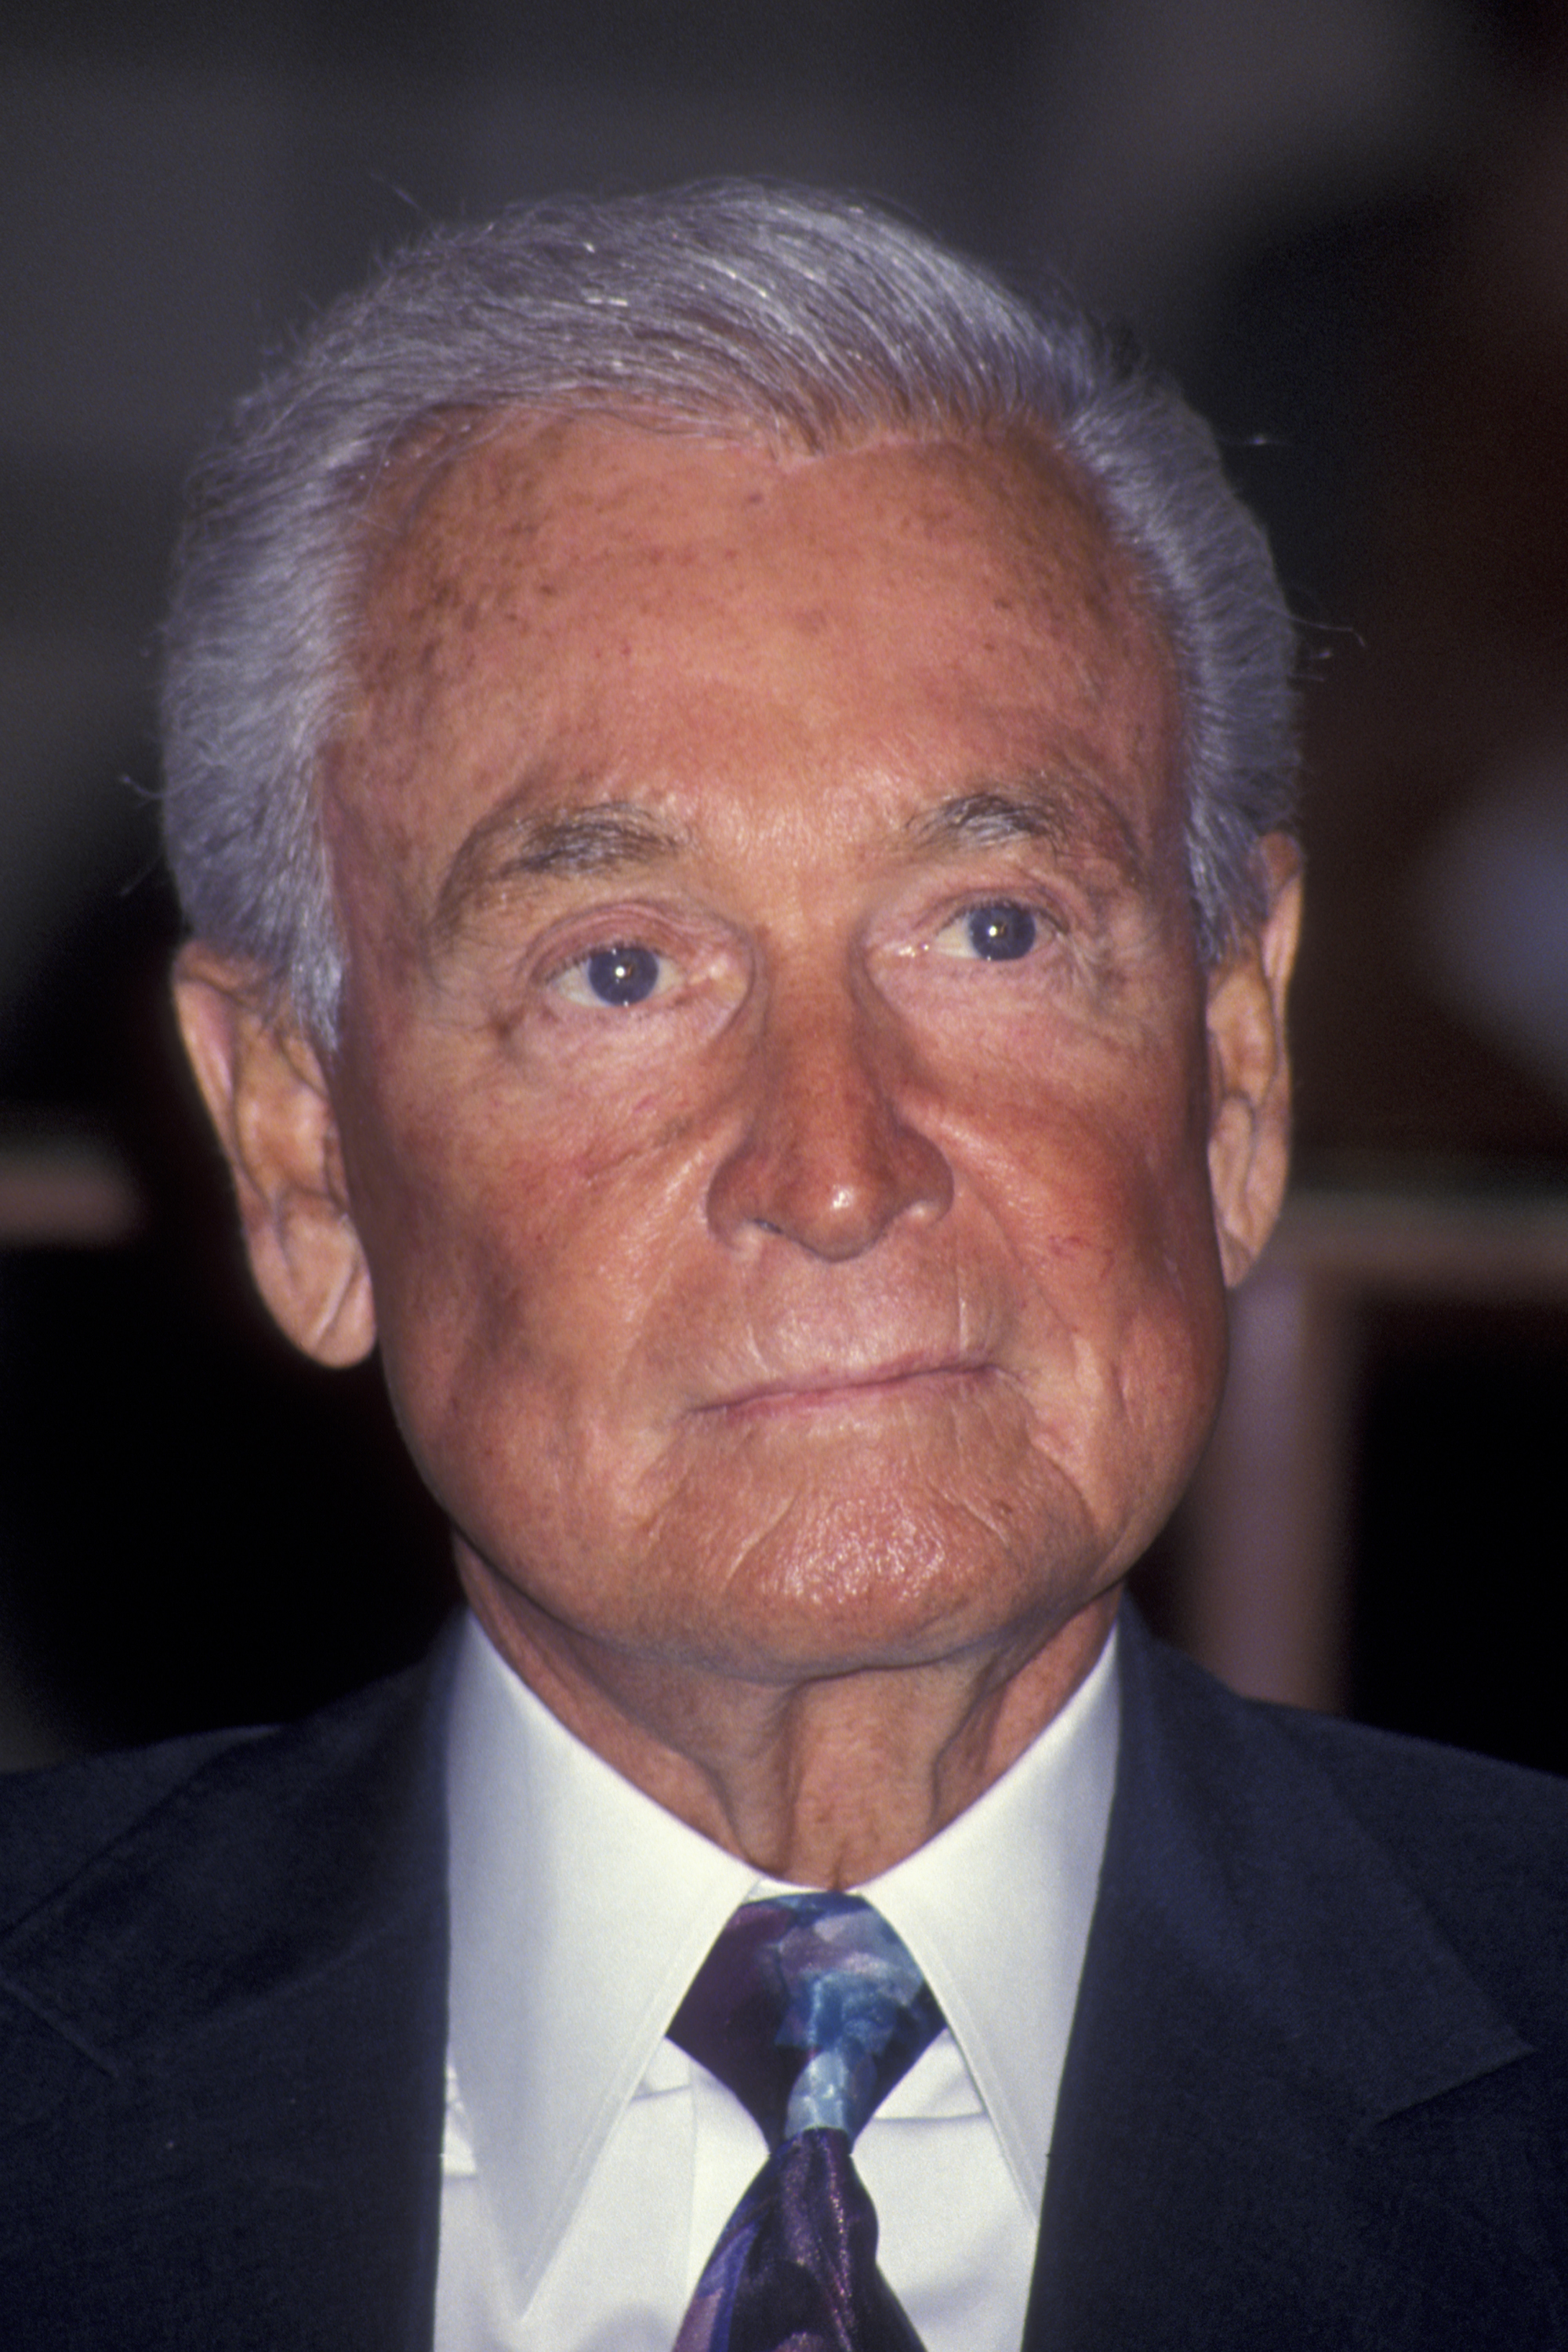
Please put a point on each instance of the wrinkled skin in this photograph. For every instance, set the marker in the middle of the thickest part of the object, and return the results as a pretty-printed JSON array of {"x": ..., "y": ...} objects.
[{"x": 781, "y": 1135}]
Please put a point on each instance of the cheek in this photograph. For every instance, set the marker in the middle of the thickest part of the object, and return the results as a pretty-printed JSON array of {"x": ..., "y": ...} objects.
[
  {"x": 1166, "y": 1318},
  {"x": 1130, "y": 1268},
  {"x": 517, "y": 1262},
  {"x": 1100, "y": 1156},
  {"x": 1104, "y": 1196}
]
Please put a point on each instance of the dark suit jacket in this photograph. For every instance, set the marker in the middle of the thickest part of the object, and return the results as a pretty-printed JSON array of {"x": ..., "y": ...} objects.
[{"x": 1315, "y": 2096}]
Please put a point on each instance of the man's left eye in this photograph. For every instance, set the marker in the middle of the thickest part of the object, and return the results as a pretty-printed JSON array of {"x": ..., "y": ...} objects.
[
  {"x": 620, "y": 975},
  {"x": 999, "y": 931}
]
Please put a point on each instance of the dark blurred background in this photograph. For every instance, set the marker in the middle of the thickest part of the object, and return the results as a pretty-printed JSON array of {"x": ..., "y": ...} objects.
[{"x": 1342, "y": 223}]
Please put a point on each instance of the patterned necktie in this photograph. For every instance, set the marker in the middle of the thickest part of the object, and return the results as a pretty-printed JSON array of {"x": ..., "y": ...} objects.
[{"x": 809, "y": 2008}]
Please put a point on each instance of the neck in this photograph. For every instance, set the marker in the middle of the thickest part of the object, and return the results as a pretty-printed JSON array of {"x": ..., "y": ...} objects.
[{"x": 824, "y": 1780}]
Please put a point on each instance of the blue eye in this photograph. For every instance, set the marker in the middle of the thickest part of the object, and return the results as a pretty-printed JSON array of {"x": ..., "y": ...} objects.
[
  {"x": 1000, "y": 932},
  {"x": 621, "y": 975}
]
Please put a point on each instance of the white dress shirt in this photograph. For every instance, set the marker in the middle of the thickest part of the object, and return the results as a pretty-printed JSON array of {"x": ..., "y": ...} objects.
[{"x": 589, "y": 2164}]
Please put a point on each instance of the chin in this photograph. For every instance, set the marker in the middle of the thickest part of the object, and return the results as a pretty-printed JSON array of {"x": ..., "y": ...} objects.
[{"x": 896, "y": 1581}]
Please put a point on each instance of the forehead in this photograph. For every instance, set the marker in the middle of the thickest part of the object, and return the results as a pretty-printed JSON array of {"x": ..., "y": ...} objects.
[{"x": 582, "y": 609}]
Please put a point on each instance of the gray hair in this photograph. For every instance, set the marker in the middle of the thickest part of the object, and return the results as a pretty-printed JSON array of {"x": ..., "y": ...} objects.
[{"x": 812, "y": 319}]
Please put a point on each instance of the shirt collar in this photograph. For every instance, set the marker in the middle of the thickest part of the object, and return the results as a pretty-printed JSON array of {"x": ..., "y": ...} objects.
[
  {"x": 580, "y": 1910},
  {"x": 996, "y": 1910}
]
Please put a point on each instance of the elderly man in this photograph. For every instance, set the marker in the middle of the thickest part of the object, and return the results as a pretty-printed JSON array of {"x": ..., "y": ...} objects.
[{"x": 732, "y": 787}]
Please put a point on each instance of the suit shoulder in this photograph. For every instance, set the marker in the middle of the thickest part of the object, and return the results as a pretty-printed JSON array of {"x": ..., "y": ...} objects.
[
  {"x": 1482, "y": 1845},
  {"x": 54, "y": 1819},
  {"x": 1417, "y": 1794},
  {"x": 1463, "y": 1824},
  {"x": 56, "y": 1822}
]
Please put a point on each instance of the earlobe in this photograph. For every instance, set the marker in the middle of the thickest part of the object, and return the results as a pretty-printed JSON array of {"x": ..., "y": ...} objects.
[
  {"x": 264, "y": 1087},
  {"x": 1249, "y": 1069}
]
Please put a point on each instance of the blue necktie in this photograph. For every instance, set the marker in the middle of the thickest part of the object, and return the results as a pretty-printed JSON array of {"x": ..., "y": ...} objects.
[{"x": 809, "y": 2008}]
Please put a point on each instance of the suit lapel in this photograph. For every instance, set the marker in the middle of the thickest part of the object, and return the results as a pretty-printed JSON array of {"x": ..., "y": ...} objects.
[
  {"x": 243, "y": 1998},
  {"x": 1273, "y": 2059}
]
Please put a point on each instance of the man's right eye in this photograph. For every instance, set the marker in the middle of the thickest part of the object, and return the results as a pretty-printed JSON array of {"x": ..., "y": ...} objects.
[{"x": 620, "y": 975}]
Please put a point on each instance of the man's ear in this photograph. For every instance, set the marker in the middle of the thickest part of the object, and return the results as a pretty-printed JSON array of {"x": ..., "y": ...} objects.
[
  {"x": 1249, "y": 1069},
  {"x": 263, "y": 1084}
]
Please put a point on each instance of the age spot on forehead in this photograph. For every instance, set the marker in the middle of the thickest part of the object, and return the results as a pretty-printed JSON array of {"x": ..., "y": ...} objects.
[{"x": 632, "y": 606}]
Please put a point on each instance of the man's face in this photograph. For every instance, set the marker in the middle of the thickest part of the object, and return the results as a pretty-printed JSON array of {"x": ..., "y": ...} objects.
[{"x": 773, "y": 1093}]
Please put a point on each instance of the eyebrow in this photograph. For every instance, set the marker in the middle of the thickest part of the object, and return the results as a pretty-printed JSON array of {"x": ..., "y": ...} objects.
[
  {"x": 515, "y": 842},
  {"x": 1066, "y": 812}
]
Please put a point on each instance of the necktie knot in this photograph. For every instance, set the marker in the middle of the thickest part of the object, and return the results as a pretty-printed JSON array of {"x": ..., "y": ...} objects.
[{"x": 809, "y": 2008}]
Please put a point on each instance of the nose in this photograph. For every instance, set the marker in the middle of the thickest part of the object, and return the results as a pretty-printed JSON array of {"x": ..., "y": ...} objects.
[{"x": 827, "y": 1158}]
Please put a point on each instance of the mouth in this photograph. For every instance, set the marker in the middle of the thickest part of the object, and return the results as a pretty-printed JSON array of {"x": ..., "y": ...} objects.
[{"x": 839, "y": 1386}]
